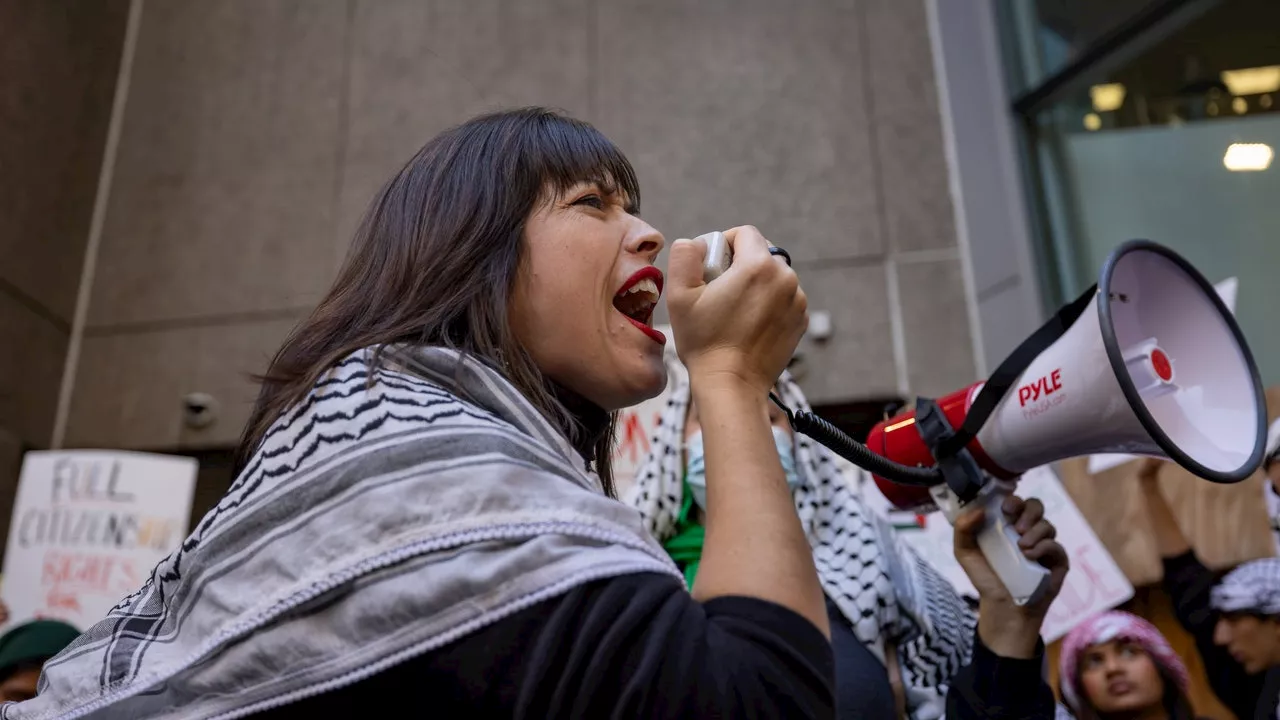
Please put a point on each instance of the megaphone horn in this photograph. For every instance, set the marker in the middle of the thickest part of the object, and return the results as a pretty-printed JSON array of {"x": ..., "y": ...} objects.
[
  {"x": 1155, "y": 364},
  {"x": 1149, "y": 361}
]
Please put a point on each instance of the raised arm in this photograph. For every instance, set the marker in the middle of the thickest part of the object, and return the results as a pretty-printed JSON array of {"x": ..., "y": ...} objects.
[
  {"x": 1004, "y": 678},
  {"x": 736, "y": 335}
]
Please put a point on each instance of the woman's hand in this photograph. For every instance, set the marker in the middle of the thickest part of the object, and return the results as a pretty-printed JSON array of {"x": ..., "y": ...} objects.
[
  {"x": 735, "y": 335},
  {"x": 742, "y": 328},
  {"x": 1006, "y": 628}
]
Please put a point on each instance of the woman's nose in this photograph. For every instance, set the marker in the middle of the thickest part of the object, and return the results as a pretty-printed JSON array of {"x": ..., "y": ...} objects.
[{"x": 644, "y": 239}]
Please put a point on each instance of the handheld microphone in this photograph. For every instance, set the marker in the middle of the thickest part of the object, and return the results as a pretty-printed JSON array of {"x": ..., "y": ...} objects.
[{"x": 719, "y": 256}]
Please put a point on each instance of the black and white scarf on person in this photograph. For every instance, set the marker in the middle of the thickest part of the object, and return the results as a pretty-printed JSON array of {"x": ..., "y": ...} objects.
[
  {"x": 1254, "y": 587},
  {"x": 393, "y": 511},
  {"x": 886, "y": 591}
]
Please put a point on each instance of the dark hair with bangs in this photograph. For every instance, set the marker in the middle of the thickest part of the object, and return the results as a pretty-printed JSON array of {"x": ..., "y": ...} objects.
[{"x": 435, "y": 260}]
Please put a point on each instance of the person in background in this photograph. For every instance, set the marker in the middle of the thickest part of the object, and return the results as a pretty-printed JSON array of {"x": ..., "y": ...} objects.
[
  {"x": 1118, "y": 666},
  {"x": 898, "y": 629},
  {"x": 23, "y": 652},
  {"x": 1271, "y": 488},
  {"x": 1235, "y": 621}
]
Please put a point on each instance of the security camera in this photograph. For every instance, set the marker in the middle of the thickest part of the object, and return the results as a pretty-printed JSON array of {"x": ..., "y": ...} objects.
[
  {"x": 820, "y": 328},
  {"x": 199, "y": 410}
]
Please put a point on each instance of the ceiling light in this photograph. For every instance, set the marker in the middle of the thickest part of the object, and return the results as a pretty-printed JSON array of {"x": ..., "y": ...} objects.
[
  {"x": 1244, "y": 157},
  {"x": 1107, "y": 97},
  {"x": 1239, "y": 106},
  {"x": 1092, "y": 121},
  {"x": 1252, "y": 81}
]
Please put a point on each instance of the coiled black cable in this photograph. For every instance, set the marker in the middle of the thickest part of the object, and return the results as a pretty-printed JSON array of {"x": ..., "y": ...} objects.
[{"x": 855, "y": 452}]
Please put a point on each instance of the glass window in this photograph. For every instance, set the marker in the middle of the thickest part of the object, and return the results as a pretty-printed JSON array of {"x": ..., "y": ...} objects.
[
  {"x": 1176, "y": 144},
  {"x": 1049, "y": 34}
]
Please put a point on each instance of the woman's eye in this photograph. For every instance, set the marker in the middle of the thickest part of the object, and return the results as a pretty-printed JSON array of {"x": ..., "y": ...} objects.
[{"x": 592, "y": 200}]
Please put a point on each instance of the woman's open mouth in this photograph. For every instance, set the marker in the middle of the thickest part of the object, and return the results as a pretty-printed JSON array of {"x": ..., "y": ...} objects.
[
  {"x": 1118, "y": 688},
  {"x": 637, "y": 298}
]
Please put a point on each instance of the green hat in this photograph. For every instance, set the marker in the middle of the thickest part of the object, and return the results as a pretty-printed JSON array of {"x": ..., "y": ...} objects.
[{"x": 35, "y": 641}]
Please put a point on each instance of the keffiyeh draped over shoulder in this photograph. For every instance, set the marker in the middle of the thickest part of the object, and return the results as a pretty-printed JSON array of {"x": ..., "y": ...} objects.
[
  {"x": 888, "y": 593},
  {"x": 393, "y": 511}
]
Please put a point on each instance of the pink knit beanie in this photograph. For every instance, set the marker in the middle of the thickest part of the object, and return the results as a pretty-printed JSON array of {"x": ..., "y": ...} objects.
[{"x": 1114, "y": 625}]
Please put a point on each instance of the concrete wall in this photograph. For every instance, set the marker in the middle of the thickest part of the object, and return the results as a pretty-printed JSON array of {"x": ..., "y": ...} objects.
[
  {"x": 993, "y": 227},
  {"x": 256, "y": 131},
  {"x": 58, "y": 63}
]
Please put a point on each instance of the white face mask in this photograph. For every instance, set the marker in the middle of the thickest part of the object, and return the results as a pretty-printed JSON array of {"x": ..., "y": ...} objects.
[{"x": 696, "y": 473}]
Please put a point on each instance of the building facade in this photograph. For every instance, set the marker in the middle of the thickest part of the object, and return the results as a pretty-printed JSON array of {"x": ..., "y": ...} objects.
[
  {"x": 182, "y": 179},
  {"x": 242, "y": 140}
]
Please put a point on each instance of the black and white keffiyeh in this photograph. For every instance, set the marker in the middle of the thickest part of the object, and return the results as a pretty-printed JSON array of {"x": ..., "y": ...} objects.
[
  {"x": 395, "y": 510},
  {"x": 888, "y": 593},
  {"x": 1254, "y": 587}
]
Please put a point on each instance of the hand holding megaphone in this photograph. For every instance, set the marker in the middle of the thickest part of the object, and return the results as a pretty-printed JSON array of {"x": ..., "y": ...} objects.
[
  {"x": 1007, "y": 627},
  {"x": 745, "y": 323}
]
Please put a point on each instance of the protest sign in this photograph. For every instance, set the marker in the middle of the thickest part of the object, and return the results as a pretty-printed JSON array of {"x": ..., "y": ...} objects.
[{"x": 87, "y": 528}]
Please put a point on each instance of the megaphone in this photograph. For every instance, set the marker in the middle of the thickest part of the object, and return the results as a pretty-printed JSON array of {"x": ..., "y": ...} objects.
[{"x": 1148, "y": 362}]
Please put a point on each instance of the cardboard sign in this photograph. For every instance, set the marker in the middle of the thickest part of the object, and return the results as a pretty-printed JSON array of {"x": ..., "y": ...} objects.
[
  {"x": 1094, "y": 584},
  {"x": 637, "y": 424},
  {"x": 1099, "y": 463},
  {"x": 1272, "y": 500},
  {"x": 87, "y": 528}
]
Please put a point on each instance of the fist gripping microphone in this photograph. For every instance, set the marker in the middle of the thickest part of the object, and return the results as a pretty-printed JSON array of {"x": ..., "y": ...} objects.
[
  {"x": 720, "y": 255},
  {"x": 1149, "y": 361}
]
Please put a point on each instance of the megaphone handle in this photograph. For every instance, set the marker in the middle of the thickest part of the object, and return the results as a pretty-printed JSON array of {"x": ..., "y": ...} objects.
[{"x": 1026, "y": 580}]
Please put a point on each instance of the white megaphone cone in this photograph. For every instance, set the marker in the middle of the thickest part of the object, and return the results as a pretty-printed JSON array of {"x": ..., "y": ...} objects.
[{"x": 1154, "y": 365}]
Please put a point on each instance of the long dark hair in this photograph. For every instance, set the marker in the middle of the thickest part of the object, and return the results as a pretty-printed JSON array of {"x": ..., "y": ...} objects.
[
  {"x": 1175, "y": 701},
  {"x": 435, "y": 259}
]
